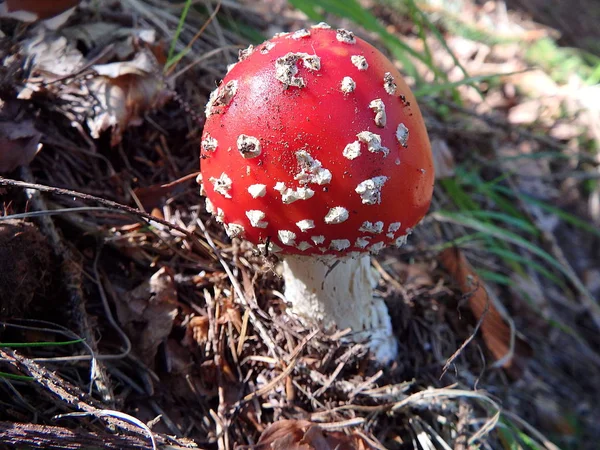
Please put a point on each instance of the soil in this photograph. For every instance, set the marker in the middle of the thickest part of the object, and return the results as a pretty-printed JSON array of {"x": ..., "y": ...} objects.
[{"x": 26, "y": 268}]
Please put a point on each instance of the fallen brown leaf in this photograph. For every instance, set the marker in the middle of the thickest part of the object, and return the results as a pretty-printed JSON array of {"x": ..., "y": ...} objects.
[
  {"x": 125, "y": 91},
  {"x": 305, "y": 435},
  {"x": 230, "y": 312},
  {"x": 153, "y": 196},
  {"x": 495, "y": 331},
  {"x": 198, "y": 329},
  {"x": 147, "y": 313},
  {"x": 120, "y": 93}
]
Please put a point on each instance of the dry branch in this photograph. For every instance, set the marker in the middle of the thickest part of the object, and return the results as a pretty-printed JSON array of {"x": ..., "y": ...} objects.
[{"x": 25, "y": 435}]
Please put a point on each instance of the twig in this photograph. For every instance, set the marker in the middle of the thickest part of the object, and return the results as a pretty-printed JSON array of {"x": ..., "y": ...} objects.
[
  {"x": 72, "y": 281},
  {"x": 148, "y": 218},
  {"x": 69, "y": 395},
  {"x": 29, "y": 435},
  {"x": 484, "y": 313},
  {"x": 264, "y": 334}
]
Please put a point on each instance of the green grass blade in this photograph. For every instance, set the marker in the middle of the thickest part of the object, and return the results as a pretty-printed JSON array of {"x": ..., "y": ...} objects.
[
  {"x": 424, "y": 19},
  {"x": 513, "y": 238},
  {"x": 351, "y": 9},
  {"x": 509, "y": 254},
  {"x": 563, "y": 215},
  {"x": 180, "y": 25},
  {"x": 38, "y": 344},
  {"x": 495, "y": 277},
  {"x": 459, "y": 196},
  {"x": 516, "y": 222},
  {"x": 11, "y": 376},
  {"x": 458, "y": 242}
]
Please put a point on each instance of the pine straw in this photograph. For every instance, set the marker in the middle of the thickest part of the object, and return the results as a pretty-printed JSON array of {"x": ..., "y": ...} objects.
[{"x": 233, "y": 362}]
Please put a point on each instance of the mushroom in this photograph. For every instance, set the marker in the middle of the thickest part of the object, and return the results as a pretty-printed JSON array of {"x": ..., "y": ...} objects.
[{"x": 314, "y": 148}]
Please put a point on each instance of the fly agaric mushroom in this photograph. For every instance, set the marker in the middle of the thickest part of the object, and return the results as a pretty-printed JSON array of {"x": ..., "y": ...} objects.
[{"x": 314, "y": 148}]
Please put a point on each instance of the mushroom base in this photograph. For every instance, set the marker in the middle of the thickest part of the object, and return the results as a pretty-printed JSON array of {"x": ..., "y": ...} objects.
[{"x": 329, "y": 291}]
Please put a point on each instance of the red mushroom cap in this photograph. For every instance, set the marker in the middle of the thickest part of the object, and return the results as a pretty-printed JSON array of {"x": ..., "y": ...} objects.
[{"x": 314, "y": 143}]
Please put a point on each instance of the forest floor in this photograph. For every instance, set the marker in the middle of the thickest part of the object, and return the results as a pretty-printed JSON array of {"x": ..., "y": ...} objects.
[{"x": 128, "y": 318}]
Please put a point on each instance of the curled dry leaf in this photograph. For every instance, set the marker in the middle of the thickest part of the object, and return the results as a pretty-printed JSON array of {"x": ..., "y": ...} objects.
[
  {"x": 495, "y": 331},
  {"x": 198, "y": 329},
  {"x": 305, "y": 435},
  {"x": 52, "y": 57},
  {"x": 147, "y": 313},
  {"x": 115, "y": 98},
  {"x": 125, "y": 91},
  {"x": 230, "y": 312}
]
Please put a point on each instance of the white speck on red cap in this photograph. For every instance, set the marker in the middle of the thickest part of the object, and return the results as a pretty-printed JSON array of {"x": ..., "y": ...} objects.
[
  {"x": 337, "y": 214},
  {"x": 220, "y": 216},
  {"x": 392, "y": 228},
  {"x": 234, "y": 230},
  {"x": 322, "y": 25},
  {"x": 362, "y": 242},
  {"x": 289, "y": 195},
  {"x": 305, "y": 224},
  {"x": 287, "y": 237},
  {"x": 376, "y": 247},
  {"x": 360, "y": 62},
  {"x": 339, "y": 244},
  {"x": 345, "y": 36},
  {"x": 378, "y": 108},
  {"x": 401, "y": 240},
  {"x": 302, "y": 33},
  {"x": 370, "y": 227},
  {"x": 303, "y": 246},
  {"x": 348, "y": 85},
  {"x": 222, "y": 185},
  {"x": 273, "y": 247},
  {"x": 311, "y": 170},
  {"x": 402, "y": 135},
  {"x": 256, "y": 217},
  {"x": 248, "y": 146},
  {"x": 221, "y": 97},
  {"x": 352, "y": 150},
  {"x": 373, "y": 142},
  {"x": 267, "y": 47},
  {"x": 243, "y": 54},
  {"x": 318, "y": 239},
  {"x": 388, "y": 83},
  {"x": 257, "y": 190},
  {"x": 286, "y": 68},
  {"x": 370, "y": 190},
  {"x": 209, "y": 143},
  {"x": 210, "y": 208}
]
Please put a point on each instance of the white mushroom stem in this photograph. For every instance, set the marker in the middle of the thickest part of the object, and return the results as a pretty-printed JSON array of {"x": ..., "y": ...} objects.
[{"x": 319, "y": 291}]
